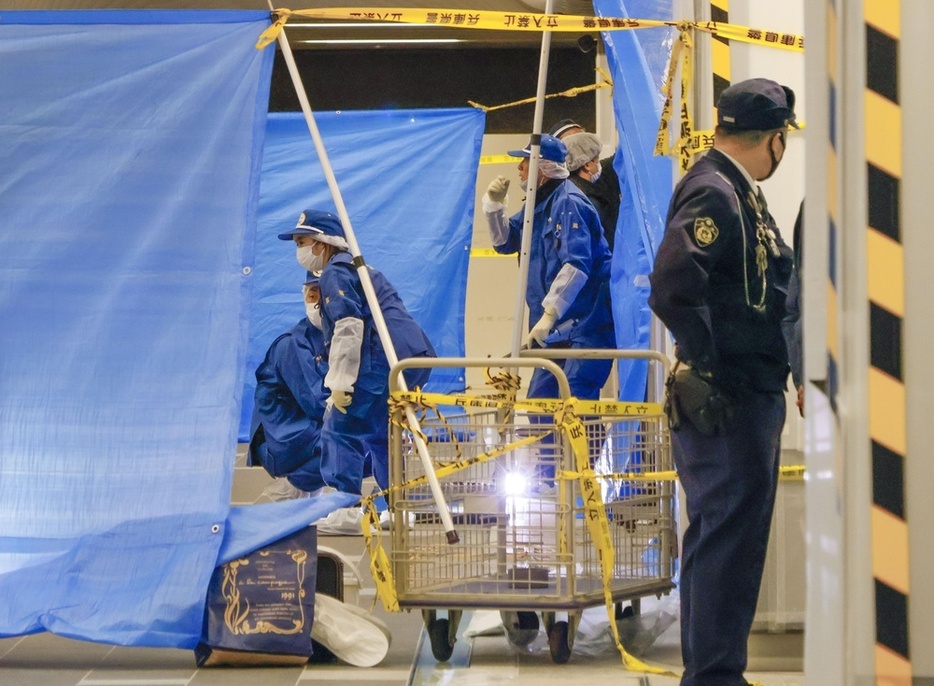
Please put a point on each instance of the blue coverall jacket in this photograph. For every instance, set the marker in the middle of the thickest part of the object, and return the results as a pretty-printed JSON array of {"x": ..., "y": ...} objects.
[
  {"x": 289, "y": 402},
  {"x": 566, "y": 229},
  {"x": 342, "y": 296}
]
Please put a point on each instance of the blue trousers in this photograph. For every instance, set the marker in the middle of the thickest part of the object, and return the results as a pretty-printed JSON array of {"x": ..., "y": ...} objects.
[
  {"x": 729, "y": 481},
  {"x": 585, "y": 377},
  {"x": 350, "y": 442}
]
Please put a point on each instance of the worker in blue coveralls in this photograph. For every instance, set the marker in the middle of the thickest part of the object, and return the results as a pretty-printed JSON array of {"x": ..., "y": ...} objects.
[
  {"x": 290, "y": 399},
  {"x": 569, "y": 269},
  {"x": 719, "y": 284},
  {"x": 356, "y": 425}
]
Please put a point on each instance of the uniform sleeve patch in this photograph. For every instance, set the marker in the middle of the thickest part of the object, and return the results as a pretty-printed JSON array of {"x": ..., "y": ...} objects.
[{"x": 705, "y": 231}]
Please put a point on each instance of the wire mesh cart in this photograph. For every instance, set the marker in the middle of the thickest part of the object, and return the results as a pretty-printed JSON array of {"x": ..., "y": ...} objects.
[{"x": 513, "y": 477}]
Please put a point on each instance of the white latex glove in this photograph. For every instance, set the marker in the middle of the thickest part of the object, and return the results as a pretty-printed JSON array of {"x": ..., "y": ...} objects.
[
  {"x": 341, "y": 400},
  {"x": 497, "y": 189},
  {"x": 539, "y": 332}
]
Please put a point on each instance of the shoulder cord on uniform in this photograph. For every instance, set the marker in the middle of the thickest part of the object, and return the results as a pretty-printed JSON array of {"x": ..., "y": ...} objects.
[{"x": 760, "y": 255}]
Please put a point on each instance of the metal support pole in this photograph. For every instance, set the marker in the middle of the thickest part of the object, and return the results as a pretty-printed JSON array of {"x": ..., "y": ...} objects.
[{"x": 518, "y": 332}]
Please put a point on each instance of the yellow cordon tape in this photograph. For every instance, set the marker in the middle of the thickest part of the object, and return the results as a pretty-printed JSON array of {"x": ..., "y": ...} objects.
[
  {"x": 686, "y": 145},
  {"x": 380, "y": 569},
  {"x": 499, "y": 159},
  {"x": 616, "y": 408},
  {"x": 597, "y": 524},
  {"x": 682, "y": 49},
  {"x": 523, "y": 21},
  {"x": 794, "y": 472},
  {"x": 569, "y": 93},
  {"x": 567, "y": 416}
]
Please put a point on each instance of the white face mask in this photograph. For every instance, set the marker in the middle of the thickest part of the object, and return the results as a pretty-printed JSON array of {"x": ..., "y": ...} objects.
[
  {"x": 313, "y": 312},
  {"x": 524, "y": 185},
  {"x": 307, "y": 258},
  {"x": 596, "y": 174}
]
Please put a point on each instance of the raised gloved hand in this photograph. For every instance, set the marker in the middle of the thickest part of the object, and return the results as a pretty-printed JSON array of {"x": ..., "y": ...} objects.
[
  {"x": 341, "y": 400},
  {"x": 497, "y": 189},
  {"x": 539, "y": 332}
]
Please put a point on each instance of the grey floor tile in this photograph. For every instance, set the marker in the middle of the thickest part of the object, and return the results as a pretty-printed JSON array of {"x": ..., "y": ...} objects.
[
  {"x": 151, "y": 659},
  {"x": 48, "y": 651},
  {"x": 240, "y": 676},
  {"x": 248, "y": 485},
  {"x": 40, "y": 677}
]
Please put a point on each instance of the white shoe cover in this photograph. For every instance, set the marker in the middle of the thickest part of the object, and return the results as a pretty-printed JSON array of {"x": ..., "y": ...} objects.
[
  {"x": 345, "y": 521},
  {"x": 282, "y": 489},
  {"x": 352, "y": 634}
]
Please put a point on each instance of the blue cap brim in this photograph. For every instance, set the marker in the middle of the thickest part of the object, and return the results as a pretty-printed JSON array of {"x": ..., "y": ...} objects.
[
  {"x": 295, "y": 232},
  {"x": 519, "y": 153}
]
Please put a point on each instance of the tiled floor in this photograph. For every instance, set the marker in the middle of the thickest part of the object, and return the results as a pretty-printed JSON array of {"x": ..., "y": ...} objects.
[{"x": 48, "y": 660}]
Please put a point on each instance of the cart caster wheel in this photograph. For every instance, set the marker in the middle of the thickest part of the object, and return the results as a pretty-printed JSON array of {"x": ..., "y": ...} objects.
[
  {"x": 442, "y": 647},
  {"x": 558, "y": 643}
]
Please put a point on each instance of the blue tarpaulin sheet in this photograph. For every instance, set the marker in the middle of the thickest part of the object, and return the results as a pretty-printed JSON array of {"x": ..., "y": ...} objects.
[
  {"x": 141, "y": 283},
  {"x": 131, "y": 145},
  {"x": 638, "y": 60},
  {"x": 407, "y": 178},
  {"x": 133, "y": 272}
]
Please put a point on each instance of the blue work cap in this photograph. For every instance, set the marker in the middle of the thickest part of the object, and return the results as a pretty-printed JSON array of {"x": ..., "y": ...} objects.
[
  {"x": 312, "y": 278},
  {"x": 316, "y": 223},
  {"x": 756, "y": 105},
  {"x": 552, "y": 150}
]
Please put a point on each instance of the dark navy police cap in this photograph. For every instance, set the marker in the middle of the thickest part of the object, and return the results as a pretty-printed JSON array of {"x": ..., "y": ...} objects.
[
  {"x": 551, "y": 149},
  {"x": 315, "y": 223},
  {"x": 756, "y": 105}
]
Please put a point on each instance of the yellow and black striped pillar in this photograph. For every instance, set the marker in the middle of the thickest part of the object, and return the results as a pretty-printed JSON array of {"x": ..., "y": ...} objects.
[
  {"x": 886, "y": 288},
  {"x": 720, "y": 49}
]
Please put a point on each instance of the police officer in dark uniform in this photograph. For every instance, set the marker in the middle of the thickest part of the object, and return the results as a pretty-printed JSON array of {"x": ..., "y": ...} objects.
[{"x": 719, "y": 284}]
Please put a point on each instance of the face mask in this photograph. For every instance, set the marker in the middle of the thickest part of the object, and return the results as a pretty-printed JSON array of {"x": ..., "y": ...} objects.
[
  {"x": 774, "y": 160},
  {"x": 596, "y": 174},
  {"x": 524, "y": 185},
  {"x": 313, "y": 312},
  {"x": 307, "y": 258}
]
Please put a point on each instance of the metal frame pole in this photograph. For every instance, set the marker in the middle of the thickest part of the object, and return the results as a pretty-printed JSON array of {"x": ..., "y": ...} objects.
[
  {"x": 365, "y": 281},
  {"x": 518, "y": 332}
]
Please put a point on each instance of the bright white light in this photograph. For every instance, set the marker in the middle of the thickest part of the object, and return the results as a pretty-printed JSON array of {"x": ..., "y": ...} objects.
[
  {"x": 381, "y": 41},
  {"x": 515, "y": 484}
]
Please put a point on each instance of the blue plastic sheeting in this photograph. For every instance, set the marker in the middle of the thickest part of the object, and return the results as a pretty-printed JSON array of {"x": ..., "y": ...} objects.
[
  {"x": 407, "y": 178},
  {"x": 638, "y": 60},
  {"x": 252, "y": 527},
  {"x": 130, "y": 147}
]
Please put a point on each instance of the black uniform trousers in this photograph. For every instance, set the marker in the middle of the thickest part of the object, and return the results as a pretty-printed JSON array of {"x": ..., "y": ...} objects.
[{"x": 729, "y": 481}]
